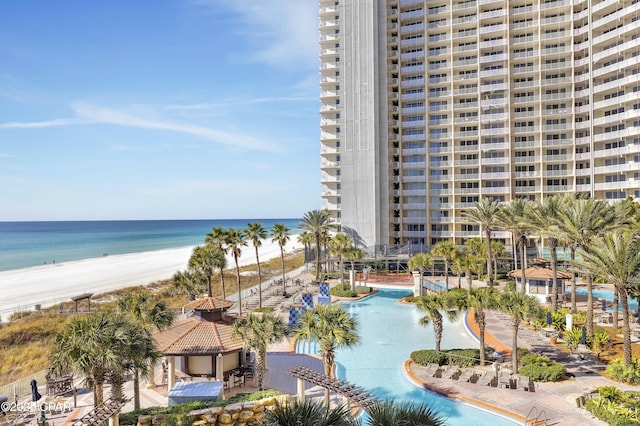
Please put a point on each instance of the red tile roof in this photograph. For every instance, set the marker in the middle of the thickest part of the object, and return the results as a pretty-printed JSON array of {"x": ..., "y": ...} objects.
[
  {"x": 539, "y": 273},
  {"x": 194, "y": 336},
  {"x": 209, "y": 304}
]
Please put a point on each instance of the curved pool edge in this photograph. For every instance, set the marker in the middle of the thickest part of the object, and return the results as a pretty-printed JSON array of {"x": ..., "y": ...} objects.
[{"x": 480, "y": 405}]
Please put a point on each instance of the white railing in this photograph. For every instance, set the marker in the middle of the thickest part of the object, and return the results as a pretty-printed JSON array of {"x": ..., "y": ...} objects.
[{"x": 22, "y": 387}]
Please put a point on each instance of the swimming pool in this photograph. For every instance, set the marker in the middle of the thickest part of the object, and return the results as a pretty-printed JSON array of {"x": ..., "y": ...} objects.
[
  {"x": 389, "y": 332},
  {"x": 608, "y": 295}
]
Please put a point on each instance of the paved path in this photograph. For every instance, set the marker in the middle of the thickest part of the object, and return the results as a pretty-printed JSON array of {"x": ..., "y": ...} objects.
[{"x": 556, "y": 400}]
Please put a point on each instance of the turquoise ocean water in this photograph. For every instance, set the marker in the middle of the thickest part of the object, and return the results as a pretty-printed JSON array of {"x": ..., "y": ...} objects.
[{"x": 27, "y": 244}]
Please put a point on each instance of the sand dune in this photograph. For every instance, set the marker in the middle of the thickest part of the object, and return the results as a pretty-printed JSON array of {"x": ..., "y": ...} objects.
[{"x": 47, "y": 285}]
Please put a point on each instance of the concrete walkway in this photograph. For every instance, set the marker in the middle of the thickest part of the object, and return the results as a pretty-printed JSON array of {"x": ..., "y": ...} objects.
[{"x": 556, "y": 401}]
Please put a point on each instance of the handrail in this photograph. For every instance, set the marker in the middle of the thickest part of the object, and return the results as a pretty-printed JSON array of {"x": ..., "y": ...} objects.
[{"x": 535, "y": 421}]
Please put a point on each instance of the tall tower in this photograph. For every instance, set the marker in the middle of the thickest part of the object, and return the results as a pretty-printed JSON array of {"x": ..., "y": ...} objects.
[{"x": 428, "y": 106}]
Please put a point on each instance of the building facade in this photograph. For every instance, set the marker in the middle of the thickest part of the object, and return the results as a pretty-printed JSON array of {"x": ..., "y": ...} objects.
[{"x": 428, "y": 106}]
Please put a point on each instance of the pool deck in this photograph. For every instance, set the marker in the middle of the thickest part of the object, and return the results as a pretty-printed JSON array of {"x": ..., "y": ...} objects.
[{"x": 557, "y": 401}]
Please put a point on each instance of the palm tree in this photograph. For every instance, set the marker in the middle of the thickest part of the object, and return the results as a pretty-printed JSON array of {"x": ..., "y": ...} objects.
[
  {"x": 316, "y": 222},
  {"x": 309, "y": 413},
  {"x": 191, "y": 283},
  {"x": 146, "y": 312},
  {"x": 458, "y": 267},
  {"x": 145, "y": 309},
  {"x": 97, "y": 346},
  {"x": 512, "y": 218},
  {"x": 420, "y": 262},
  {"x": 433, "y": 306},
  {"x": 306, "y": 239},
  {"x": 235, "y": 239},
  {"x": 353, "y": 254},
  {"x": 544, "y": 217},
  {"x": 280, "y": 234},
  {"x": 485, "y": 214},
  {"x": 205, "y": 259},
  {"x": 498, "y": 251},
  {"x": 392, "y": 413},
  {"x": 136, "y": 351},
  {"x": 616, "y": 259},
  {"x": 215, "y": 238},
  {"x": 332, "y": 328},
  {"x": 256, "y": 233},
  {"x": 448, "y": 251},
  {"x": 404, "y": 413},
  {"x": 337, "y": 246},
  {"x": 581, "y": 222},
  {"x": 519, "y": 307},
  {"x": 480, "y": 300},
  {"x": 258, "y": 332}
]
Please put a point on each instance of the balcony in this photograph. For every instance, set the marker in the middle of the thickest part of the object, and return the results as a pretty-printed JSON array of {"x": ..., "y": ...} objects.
[
  {"x": 493, "y": 28},
  {"x": 555, "y": 158},
  {"x": 526, "y": 189},
  {"x": 495, "y": 190},
  {"x": 324, "y": 164},
  {"x": 552, "y": 173},
  {"x": 556, "y": 188}
]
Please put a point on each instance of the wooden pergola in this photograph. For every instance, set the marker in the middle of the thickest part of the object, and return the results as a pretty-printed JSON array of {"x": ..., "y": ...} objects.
[
  {"x": 355, "y": 394},
  {"x": 80, "y": 297}
]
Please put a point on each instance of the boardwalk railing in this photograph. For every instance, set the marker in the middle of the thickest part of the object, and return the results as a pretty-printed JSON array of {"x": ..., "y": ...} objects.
[{"x": 22, "y": 387}]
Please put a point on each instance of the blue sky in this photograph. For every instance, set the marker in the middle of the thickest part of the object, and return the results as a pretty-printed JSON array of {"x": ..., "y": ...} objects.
[{"x": 158, "y": 109}]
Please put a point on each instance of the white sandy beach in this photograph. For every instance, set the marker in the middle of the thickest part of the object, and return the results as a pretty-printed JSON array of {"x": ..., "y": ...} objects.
[{"x": 22, "y": 289}]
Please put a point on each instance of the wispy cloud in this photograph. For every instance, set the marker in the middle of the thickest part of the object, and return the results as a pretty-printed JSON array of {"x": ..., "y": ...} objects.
[
  {"x": 285, "y": 32},
  {"x": 234, "y": 102},
  {"x": 101, "y": 115},
  {"x": 91, "y": 114},
  {"x": 6, "y": 155},
  {"x": 41, "y": 124}
]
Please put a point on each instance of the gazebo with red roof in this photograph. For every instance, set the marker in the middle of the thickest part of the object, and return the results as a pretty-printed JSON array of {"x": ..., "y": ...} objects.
[
  {"x": 201, "y": 345},
  {"x": 540, "y": 281}
]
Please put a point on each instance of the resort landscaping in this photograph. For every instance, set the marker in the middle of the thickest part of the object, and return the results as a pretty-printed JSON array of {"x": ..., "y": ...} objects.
[{"x": 123, "y": 337}]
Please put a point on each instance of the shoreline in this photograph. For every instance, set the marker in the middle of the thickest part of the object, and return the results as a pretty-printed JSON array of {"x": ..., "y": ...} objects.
[{"x": 50, "y": 284}]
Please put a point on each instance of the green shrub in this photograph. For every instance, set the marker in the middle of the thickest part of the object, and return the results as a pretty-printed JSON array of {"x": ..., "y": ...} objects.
[
  {"x": 615, "y": 407},
  {"x": 617, "y": 371},
  {"x": 541, "y": 369},
  {"x": 265, "y": 309},
  {"x": 411, "y": 299},
  {"x": 176, "y": 414},
  {"x": 510, "y": 286},
  {"x": 360, "y": 289},
  {"x": 459, "y": 357},
  {"x": 427, "y": 356},
  {"x": 342, "y": 290}
]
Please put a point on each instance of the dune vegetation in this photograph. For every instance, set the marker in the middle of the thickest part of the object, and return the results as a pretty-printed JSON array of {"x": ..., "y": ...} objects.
[{"x": 25, "y": 340}]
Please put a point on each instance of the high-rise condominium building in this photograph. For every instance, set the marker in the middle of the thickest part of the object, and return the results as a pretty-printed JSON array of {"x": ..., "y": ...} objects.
[{"x": 428, "y": 106}]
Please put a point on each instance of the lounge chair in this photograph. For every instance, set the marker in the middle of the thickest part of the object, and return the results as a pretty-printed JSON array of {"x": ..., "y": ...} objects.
[
  {"x": 504, "y": 378},
  {"x": 450, "y": 372},
  {"x": 432, "y": 370},
  {"x": 467, "y": 375},
  {"x": 485, "y": 379},
  {"x": 525, "y": 383}
]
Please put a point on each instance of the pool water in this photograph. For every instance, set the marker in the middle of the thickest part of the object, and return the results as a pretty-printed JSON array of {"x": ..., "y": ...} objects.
[
  {"x": 389, "y": 332},
  {"x": 608, "y": 295}
]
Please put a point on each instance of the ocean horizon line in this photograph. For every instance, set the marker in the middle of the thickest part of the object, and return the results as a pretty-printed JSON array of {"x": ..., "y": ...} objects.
[{"x": 26, "y": 244}]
